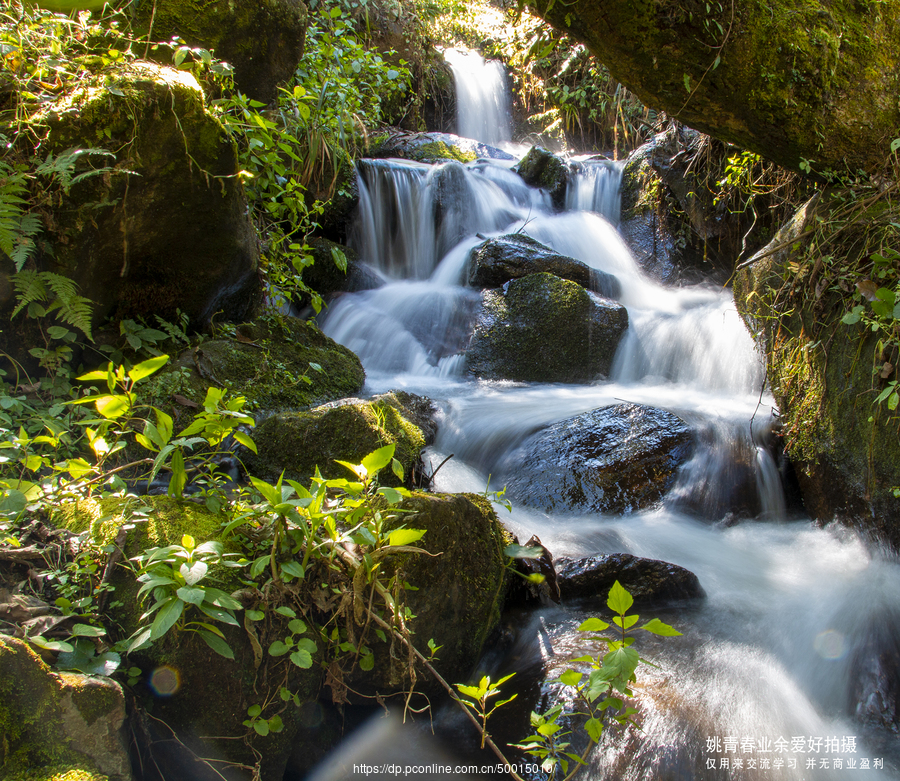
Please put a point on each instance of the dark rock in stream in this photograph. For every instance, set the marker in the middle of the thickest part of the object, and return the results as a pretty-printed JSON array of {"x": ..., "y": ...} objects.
[
  {"x": 540, "y": 168},
  {"x": 616, "y": 459},
  {"x": 541, "y": 328},
  {"x": 874, "y": 690},
  {"x": 516, "y": 255},
  {"x": 649, "y": 582}
]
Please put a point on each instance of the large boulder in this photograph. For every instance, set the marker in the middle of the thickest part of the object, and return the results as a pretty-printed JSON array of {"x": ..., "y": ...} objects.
[
  {"x": 262, "y": 39},
  {"x": 433, "y": 148},
  {"x": 649, "y": 582},
  {"x": 296, "y": 443},
  {"x": 168, "y": 229},
  {"x": 459, "y": 588},
  {"x": 541, "y": 328},
  {"x": 844, "y": 447},
  {"x": 616, "y": 459},
  {"x": 270, "y": 361},
  {"x": 63, "y": 721},
  {"x": 515, "y": 255},
  {"x": 792, "y": 82}
]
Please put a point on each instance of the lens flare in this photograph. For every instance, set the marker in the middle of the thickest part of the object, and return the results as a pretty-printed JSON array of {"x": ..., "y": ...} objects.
[{"x": 165, "y": 681}]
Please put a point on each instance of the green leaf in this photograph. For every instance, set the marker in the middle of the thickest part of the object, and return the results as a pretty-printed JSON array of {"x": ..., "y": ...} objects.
[
  {"x": 195, "y": 573},
  {"x": 216, "y": 643},
  {"x": 378, "y": 459},
  {"x": 276, "y": 724},
  {"x": 594, "y": 729},
  {"x": 146, "y": 368},
  {"x": 619, "y": 600},
  {"x": 193, "y": 596},
  {"x": 367, "y": 662},
  {"x": 625, "y": 622},
  {"x": 278, "y": 648},
  {"x": 87, "y": 630},
  {"x": 255, "y": 615},
  {"x": 657, "y": 627},
  {"x": 570, "y": 678},
  {"x": 113, "y": 407},
  {"x": 262, "y": 727},
  {"x": 139, "y": 640},
  {"x": 405, "y": 536},
  {"x": 305, "y": 644},
  {"x": 285, "y": 611},
  {"x": 259, "y": 565},
  {"x": 593, "y": 625},
  {"x": 302, "y": 659},
  {"x": 245, "y": 440},
  {"x": 168, "y": 614},
  {"x": 254, "y": 710},
  {"x": 296, "y": 626},
  {"x": 294, "y": 569},
  {"x": 179, "y": 476}
]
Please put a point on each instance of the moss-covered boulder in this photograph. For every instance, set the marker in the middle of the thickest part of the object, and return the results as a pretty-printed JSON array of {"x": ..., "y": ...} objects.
[
  {"x": 262, "y": 39},
  {"x": 69, "y": 725},
  {"x": 541, "y": 328},
  {"x": 540, "y": 168},
  {"x": 200, "y": 695},
  {"x": 843, "y": 446},
  {"x": 515, "y": 255},
  {"x": 460, "y": 588},
  {"x": 167, "y": 229},
  {"x": 791, "y": 81},
  {"x": 616, "y": 459},
  {"x": 297, "y": 442},
  {"x": 268, "y": 361},
  {"x": 433, "y": 148}
]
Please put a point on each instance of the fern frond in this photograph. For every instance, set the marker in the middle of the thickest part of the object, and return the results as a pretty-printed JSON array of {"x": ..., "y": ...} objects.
[
  {"x": 30, "y": 287},
  {"x": 74, "y": 310}
]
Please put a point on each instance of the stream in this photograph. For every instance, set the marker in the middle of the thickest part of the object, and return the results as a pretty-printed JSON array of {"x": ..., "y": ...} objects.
[{"x": 780, "y": 671}]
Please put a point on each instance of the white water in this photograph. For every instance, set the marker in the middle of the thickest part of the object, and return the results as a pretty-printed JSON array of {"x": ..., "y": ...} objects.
[
  {"x": 791, "y": 609},
  {"x": 482, "y": 97}
]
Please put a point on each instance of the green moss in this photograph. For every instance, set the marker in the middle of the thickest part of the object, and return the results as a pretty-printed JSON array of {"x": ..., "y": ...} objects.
[
  {"x": 438, "y": 151},
  {"x": 57, "y": 773},
  {"x": 268, "y": 361},
  {"x": 298, "y": 442}
]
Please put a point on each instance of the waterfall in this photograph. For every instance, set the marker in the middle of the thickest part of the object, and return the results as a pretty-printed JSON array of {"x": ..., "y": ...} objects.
[
  {"x": 594, "y": 187},
  {"x": 482, "y": 97},
  {"x": 792, "y": 639}
]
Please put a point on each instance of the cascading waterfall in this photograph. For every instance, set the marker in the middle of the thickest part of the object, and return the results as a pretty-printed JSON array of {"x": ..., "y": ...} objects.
[
  {"x": 788, "y": 643},
  {"x": 482, "y": 97},
  {"x": 594, "y": 187}
]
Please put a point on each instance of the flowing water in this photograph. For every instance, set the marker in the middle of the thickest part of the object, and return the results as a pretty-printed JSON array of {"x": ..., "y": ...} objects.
[{"x": 774, "y": 677}]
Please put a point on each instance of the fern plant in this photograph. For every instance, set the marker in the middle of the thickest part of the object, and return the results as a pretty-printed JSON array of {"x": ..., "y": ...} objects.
[{"x": 42, "y": 293}]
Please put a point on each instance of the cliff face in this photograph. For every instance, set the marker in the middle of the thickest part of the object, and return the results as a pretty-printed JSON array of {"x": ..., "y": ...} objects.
[{"x": 798, "y": 82}]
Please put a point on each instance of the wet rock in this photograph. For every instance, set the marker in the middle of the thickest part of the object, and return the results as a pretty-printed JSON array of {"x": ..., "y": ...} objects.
[
  {"x": 499, "y": 260},
  {"x": 295, "y": 443},
  {"x": 541, "y": 328},
  {"x": 433, "y": 148},
  {"x": 615, "y": 459},
  {"x": 262, "y": 39},
  {"x": 325, "y": 276},
  {"x": 58, "y": 719},
  {"x": 650, "y": 582},
  {"x": 540, "y": 168},
  {"x": 874, "y": 689}
]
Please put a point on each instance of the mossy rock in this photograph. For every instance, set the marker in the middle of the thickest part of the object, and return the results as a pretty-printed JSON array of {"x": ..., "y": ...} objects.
[
  {"x": 265, "y": 361},
  {"x": 460, "y": 587},
  {"x": 844, "y": 448},
  {"x": 541, "y": 328},
  {"x": 173, "y": 235},
  {"x": 262, "y": 39},
  {"x": 296, "y": 443},
  {"x": 433, "y": 148},
  {"x": 210, "y": 693},
  {"x": 327, "y": 279},
  {"x": 69, "y": 725},
  {"x": 790, "y": 80},
  {"x": 540, "y": 168}
]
